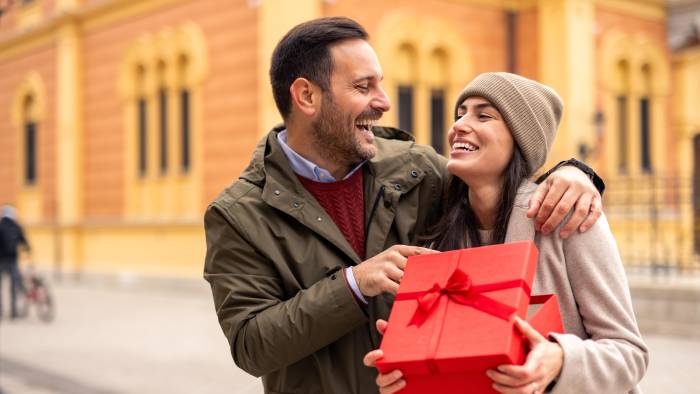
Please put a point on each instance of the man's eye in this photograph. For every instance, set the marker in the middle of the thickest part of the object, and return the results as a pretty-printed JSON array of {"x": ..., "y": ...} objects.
[{"x": 363, "y": 88}]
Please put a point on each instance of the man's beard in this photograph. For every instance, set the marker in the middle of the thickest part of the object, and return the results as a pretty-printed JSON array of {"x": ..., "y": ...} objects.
[{"x": 335, "y": 137}]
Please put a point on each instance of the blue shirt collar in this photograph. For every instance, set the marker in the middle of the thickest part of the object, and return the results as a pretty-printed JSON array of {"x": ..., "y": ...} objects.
[{"x": 305, "y": 168}]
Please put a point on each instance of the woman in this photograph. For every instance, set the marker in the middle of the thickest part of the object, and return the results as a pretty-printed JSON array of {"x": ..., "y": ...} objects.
[{"x": 505, "y": 125}]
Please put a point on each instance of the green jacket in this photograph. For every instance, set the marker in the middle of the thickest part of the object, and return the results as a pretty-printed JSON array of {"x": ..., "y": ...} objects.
[{"x": 274, "y": 260}]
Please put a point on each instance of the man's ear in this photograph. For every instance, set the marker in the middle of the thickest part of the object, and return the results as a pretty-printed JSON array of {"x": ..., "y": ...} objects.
[{"x": 306, "y": 96}]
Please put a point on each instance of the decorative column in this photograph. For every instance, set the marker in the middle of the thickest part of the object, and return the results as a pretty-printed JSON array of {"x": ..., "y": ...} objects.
[
  {"x": 69, "y": 139},
  {"x": 566, "y": 62},
  {"x": 275, "y": 18}
]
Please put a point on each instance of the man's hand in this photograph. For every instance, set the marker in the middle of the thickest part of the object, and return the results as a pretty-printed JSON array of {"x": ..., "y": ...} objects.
[
  {"x": 383, "y": 272},
  {"x": 388, "y": 383},
  {"x": 566, "y": 188},
  {"x": 543, "y": 364}
]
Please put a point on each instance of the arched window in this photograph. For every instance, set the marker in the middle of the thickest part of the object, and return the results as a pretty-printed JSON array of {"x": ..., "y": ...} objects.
[
  {"x": 160, "y": 81},
  {"x": 645, "y": 121},
  {"x": 622, "y": 116},
  {"x": 31, "y": 130},
  {"x": 439, "y": 72},
  {"x": 142, "y": 121},
  {"x": 407, "y": 60},
  {"x": 162, "y": 120},
  {"x": 185, "y": 116}
]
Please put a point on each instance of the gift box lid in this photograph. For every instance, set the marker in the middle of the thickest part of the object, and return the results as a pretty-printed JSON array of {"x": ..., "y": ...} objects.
[{"x": 455, "y": 336}]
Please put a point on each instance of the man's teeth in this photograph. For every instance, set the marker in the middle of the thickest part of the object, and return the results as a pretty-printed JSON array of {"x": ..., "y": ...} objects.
[
  {"x": 464, "y": 145},
  {"x": 365, "y": 125}
]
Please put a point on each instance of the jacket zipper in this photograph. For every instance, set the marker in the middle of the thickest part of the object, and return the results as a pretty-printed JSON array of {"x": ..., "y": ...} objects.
[{"x": 380, "y": 195}]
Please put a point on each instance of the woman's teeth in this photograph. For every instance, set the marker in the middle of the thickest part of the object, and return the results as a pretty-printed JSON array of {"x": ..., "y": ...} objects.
[{"x": 464, "y": 146}]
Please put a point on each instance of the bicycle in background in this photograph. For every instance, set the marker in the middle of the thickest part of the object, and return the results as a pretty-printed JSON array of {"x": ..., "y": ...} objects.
[{"x": 36, "y": 294}]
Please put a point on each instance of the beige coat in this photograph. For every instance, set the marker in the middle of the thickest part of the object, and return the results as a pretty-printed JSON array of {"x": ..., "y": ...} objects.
[{"x": 603, "y": 349}]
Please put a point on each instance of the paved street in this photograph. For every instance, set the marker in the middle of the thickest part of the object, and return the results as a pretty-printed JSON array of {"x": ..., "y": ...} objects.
[{"x": 115, "y": 339}]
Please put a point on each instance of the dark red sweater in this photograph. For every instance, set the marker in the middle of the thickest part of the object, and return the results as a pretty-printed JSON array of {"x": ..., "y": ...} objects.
[{"x": 344, "y": 202}]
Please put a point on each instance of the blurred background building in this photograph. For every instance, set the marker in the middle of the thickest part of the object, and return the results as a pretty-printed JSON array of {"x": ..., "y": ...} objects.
[{"x": 122, "y": 119}]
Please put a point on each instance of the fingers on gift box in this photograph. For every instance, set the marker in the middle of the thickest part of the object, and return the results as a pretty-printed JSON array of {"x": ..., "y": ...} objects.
[{"x": 452, "y": 317}]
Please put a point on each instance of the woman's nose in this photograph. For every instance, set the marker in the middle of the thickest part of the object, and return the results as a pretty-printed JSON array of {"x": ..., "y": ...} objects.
[{"x": 462, "y": 125}]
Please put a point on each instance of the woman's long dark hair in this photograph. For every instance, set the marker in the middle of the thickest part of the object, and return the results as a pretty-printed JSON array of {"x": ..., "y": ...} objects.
[{"x": 458, "y": 226}]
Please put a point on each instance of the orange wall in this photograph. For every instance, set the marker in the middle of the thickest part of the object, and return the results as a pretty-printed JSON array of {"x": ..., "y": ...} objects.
[
  {"x": 230, "y": 94},
  {"x": 13, "y": 72},
  {"x": 526, "y": 44},
  {"x": 482, "y": 27},
  {"x": 8, "y": 20},
  {"x": 229, "y": 120},
  {"x": 103, "y": 127}
]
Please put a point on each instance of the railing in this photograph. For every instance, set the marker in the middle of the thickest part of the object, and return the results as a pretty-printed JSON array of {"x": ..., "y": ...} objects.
[{"x": 656, "y": 222}]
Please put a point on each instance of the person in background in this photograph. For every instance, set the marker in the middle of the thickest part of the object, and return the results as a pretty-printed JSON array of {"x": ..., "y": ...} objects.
[{"x": 11, "y": 239}]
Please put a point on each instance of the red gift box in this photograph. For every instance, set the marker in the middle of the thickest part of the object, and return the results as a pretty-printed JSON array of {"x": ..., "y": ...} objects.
[{"x": 451, "y": 319}]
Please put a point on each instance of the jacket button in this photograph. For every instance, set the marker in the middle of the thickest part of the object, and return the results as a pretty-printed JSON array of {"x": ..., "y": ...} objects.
[
  {"x": 387, "y": 204},
  {"x": 397, "y": 186},
  {"x": 296, "y": 204},
  {"x": 414, "y": 174},
  {"x": 334, "y": 276},
  {"x": 277, "y": 192},
  {"x": 320, "y": 219}
]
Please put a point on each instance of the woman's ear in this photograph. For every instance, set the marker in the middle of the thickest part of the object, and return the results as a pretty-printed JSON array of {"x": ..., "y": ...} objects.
[{"x": 306, "y": 96}]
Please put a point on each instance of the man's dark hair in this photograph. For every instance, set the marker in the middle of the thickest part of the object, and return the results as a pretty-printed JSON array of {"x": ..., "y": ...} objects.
[{"x": 303, "y": 53}]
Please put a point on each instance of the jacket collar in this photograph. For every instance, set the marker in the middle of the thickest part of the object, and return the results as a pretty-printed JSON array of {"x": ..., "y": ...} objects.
[{"x": 392, "y": 167}]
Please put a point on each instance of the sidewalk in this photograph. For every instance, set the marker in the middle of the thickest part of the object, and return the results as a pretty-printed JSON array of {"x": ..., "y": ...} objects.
[
  {"x": 121, "y": 340},
  {"x": 157, "y": 339}
]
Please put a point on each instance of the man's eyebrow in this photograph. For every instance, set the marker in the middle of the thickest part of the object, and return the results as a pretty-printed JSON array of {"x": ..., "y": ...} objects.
[{"x": 368, "y": 78}]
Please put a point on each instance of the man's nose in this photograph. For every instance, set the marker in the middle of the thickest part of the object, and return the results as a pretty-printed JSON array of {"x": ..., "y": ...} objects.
[{"x": 381, "y": 101}]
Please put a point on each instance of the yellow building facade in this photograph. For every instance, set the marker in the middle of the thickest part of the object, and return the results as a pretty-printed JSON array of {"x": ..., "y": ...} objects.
[
  {"x": 125, "y": 118},
  {"x": 686, "y": 100}
]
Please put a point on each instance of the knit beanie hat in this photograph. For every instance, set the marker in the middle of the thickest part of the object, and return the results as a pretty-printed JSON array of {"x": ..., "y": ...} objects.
[{"x": 531, "y": 110}]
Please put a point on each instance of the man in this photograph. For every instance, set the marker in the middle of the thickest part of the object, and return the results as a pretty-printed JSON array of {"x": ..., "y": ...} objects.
[
  {"x": 11, "y": 237},
  {"x": 307, "y": 248}
]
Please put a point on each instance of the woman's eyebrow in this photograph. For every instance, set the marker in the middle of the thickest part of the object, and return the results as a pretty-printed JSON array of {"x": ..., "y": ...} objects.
[
  {"x": 476, "y": 107},
  {"x": 484, "y": 105}
]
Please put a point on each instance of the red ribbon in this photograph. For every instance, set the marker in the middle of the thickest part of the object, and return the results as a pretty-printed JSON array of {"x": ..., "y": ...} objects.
[{"x": 459, "y": 288}]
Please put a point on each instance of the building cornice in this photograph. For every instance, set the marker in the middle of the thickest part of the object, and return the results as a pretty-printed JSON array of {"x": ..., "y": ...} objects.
[
  {"x": 45, "y": 32},
  {"x": 647, "y": 9}
]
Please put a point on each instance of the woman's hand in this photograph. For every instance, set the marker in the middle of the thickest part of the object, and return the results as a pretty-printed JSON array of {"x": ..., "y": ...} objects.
[
  {"x": 565, "y": 189},
  {"x": 390, "y": 382},
  {"x": 543, "y": 364}
]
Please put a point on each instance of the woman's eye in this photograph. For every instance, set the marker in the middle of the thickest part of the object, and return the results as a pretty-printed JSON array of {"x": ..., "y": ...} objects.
[{"x": 485, "y": 116}]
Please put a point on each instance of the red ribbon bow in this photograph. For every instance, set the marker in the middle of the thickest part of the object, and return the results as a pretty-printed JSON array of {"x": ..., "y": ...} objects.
[{"x": 459, "y": 288}]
